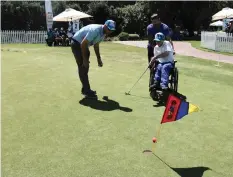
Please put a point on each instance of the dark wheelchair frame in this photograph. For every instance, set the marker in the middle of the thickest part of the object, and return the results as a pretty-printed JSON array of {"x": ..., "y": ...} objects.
[{"x": 156, "y": 93}]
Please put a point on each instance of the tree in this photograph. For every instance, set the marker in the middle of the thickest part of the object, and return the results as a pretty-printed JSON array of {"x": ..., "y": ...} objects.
[
  {"x": 135, "y": 20},
  {"x": 99, "y": 10}
]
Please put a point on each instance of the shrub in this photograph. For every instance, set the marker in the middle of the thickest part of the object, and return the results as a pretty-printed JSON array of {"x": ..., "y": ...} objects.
[
  {"x": 123, "y": 36},
  {"x": 111, "y": 39},
  {"x": 115, "y": 39},
  {"x": 134, "y": 37}
]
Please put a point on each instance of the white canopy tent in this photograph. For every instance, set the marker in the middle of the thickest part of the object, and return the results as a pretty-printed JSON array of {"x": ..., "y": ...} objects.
[
  {"x": 224, "y": 13},
  {"x": 70, "y": 15},
  {"x": 217, "y": 23}
]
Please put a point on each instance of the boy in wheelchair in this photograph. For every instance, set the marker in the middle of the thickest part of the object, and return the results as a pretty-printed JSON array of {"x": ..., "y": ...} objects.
[{"x": 162, "y": 62}]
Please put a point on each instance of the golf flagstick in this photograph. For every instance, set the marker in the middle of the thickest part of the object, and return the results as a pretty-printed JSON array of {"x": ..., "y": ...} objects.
[
  {"x": 218, "y": 62},
  {"x": 157, "y": 136},
  {"x": 218, "y": 55}
]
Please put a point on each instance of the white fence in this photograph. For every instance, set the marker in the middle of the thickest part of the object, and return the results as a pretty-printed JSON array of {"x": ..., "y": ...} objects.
[
  {"x": 218, "y": 41},
  {"x": 8, "y": 37}
]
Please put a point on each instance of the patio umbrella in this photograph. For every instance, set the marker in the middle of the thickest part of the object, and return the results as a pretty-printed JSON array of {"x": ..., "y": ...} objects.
[
  {"x": 224, "y": 13},
  {"x": 69, "y": 15},
  {"x": 217, "y": 23}
]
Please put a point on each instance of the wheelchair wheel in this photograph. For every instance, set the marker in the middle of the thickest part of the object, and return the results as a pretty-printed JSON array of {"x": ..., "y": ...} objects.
[
  {"x": 176, "y": 77},
  {"x": 151, "y": 79},
  {"x": 173, "y": 81}
]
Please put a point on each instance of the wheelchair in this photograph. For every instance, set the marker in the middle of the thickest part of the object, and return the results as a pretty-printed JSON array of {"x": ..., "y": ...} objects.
[{"x": 156, "y": 93}]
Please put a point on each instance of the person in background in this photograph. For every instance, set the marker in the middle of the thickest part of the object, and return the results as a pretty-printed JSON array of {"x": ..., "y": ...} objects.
[
  {"x": 63, "y": 36},
  {"x": 57, "y": 37},
  {"x": 229, "y": 28},
  {"x": 51, "y": 38},
  {"x": 70, "y": 31}
]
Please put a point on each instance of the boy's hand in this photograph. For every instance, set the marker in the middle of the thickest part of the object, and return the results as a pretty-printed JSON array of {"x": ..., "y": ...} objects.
[{"x": 153, "y": 59}]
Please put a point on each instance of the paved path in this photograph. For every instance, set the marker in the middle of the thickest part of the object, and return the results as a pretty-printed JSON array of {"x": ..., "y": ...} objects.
[{"x": 186, "y": 49}]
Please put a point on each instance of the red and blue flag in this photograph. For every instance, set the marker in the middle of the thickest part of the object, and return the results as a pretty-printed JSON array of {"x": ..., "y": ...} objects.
[{"x": 176, "y": 109}]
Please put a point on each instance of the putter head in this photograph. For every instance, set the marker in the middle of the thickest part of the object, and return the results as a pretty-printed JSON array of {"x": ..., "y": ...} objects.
[{"x": 127, "y": 93}]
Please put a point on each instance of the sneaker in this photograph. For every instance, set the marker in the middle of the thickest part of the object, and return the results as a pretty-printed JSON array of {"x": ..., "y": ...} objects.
[{"x": 154, "y": 86}]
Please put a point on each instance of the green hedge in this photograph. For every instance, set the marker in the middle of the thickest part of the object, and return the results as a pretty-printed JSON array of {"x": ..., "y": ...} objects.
[
  {"x": 134, "y": 37},
  {"x": 123, "y": 36}
]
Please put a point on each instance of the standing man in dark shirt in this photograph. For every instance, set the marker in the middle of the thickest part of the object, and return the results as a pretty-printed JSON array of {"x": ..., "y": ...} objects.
[
  {"x": 155, "y": 27},
  {"x": 230, "y": 27}
]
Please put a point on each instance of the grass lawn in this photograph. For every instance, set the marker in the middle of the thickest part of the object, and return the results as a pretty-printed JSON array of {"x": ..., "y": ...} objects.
[
  {"x": 46, "y": 132},
  {"x": 197, "y": 45}
]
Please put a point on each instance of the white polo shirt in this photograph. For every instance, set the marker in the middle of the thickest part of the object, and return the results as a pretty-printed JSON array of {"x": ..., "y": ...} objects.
[{"x": 165, "y": 47}]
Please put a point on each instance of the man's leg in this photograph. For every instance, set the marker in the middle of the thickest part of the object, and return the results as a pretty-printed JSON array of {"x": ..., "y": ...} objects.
[
  {"x": 86, "y": 87},
  {"x": 83, "y": 72},
  {"x": 165, "y": 75},
  {"x": 150, "y": 52},
  {"x": 150, "y": 55}
]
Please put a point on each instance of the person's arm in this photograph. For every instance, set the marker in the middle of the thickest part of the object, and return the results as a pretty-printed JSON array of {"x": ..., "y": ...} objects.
[
  {"x": 84, "y": 46},
  {"x": 162, "y": 55},
  {"x": 84, "y": 50},
  {"x": 97, "y": 52},
  {"x": 168, "y": 37},
  {"x": 150, "y": 39},
  {"x": 170, "y": 40}
]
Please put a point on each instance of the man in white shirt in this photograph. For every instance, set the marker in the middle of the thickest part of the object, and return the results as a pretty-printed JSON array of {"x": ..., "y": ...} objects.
[{"x": 163, "y": 53}]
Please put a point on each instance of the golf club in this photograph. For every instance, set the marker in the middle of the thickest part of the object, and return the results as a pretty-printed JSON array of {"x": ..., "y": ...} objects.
[{"x": 128, "y": 93}]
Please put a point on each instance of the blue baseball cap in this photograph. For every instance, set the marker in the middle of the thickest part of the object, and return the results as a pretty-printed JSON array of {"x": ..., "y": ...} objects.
[
  {"x": 111, "y": 25},
  {"x": 159, "y": 37}
]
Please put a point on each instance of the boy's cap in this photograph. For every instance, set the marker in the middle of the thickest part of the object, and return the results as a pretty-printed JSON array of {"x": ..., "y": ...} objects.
[{"x": 159, "y": 37}]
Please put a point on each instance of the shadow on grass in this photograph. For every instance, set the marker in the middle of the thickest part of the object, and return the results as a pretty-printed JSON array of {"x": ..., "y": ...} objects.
[
  {"x": 106, "y": 105},
  {"x": 191, "y": 172},
  {"x": 183, "y": 172},
  {"x": 188, "y": 172}
]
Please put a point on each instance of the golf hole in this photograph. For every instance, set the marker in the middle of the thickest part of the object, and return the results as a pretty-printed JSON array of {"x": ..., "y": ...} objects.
[{"x": 147, "y": 152}]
